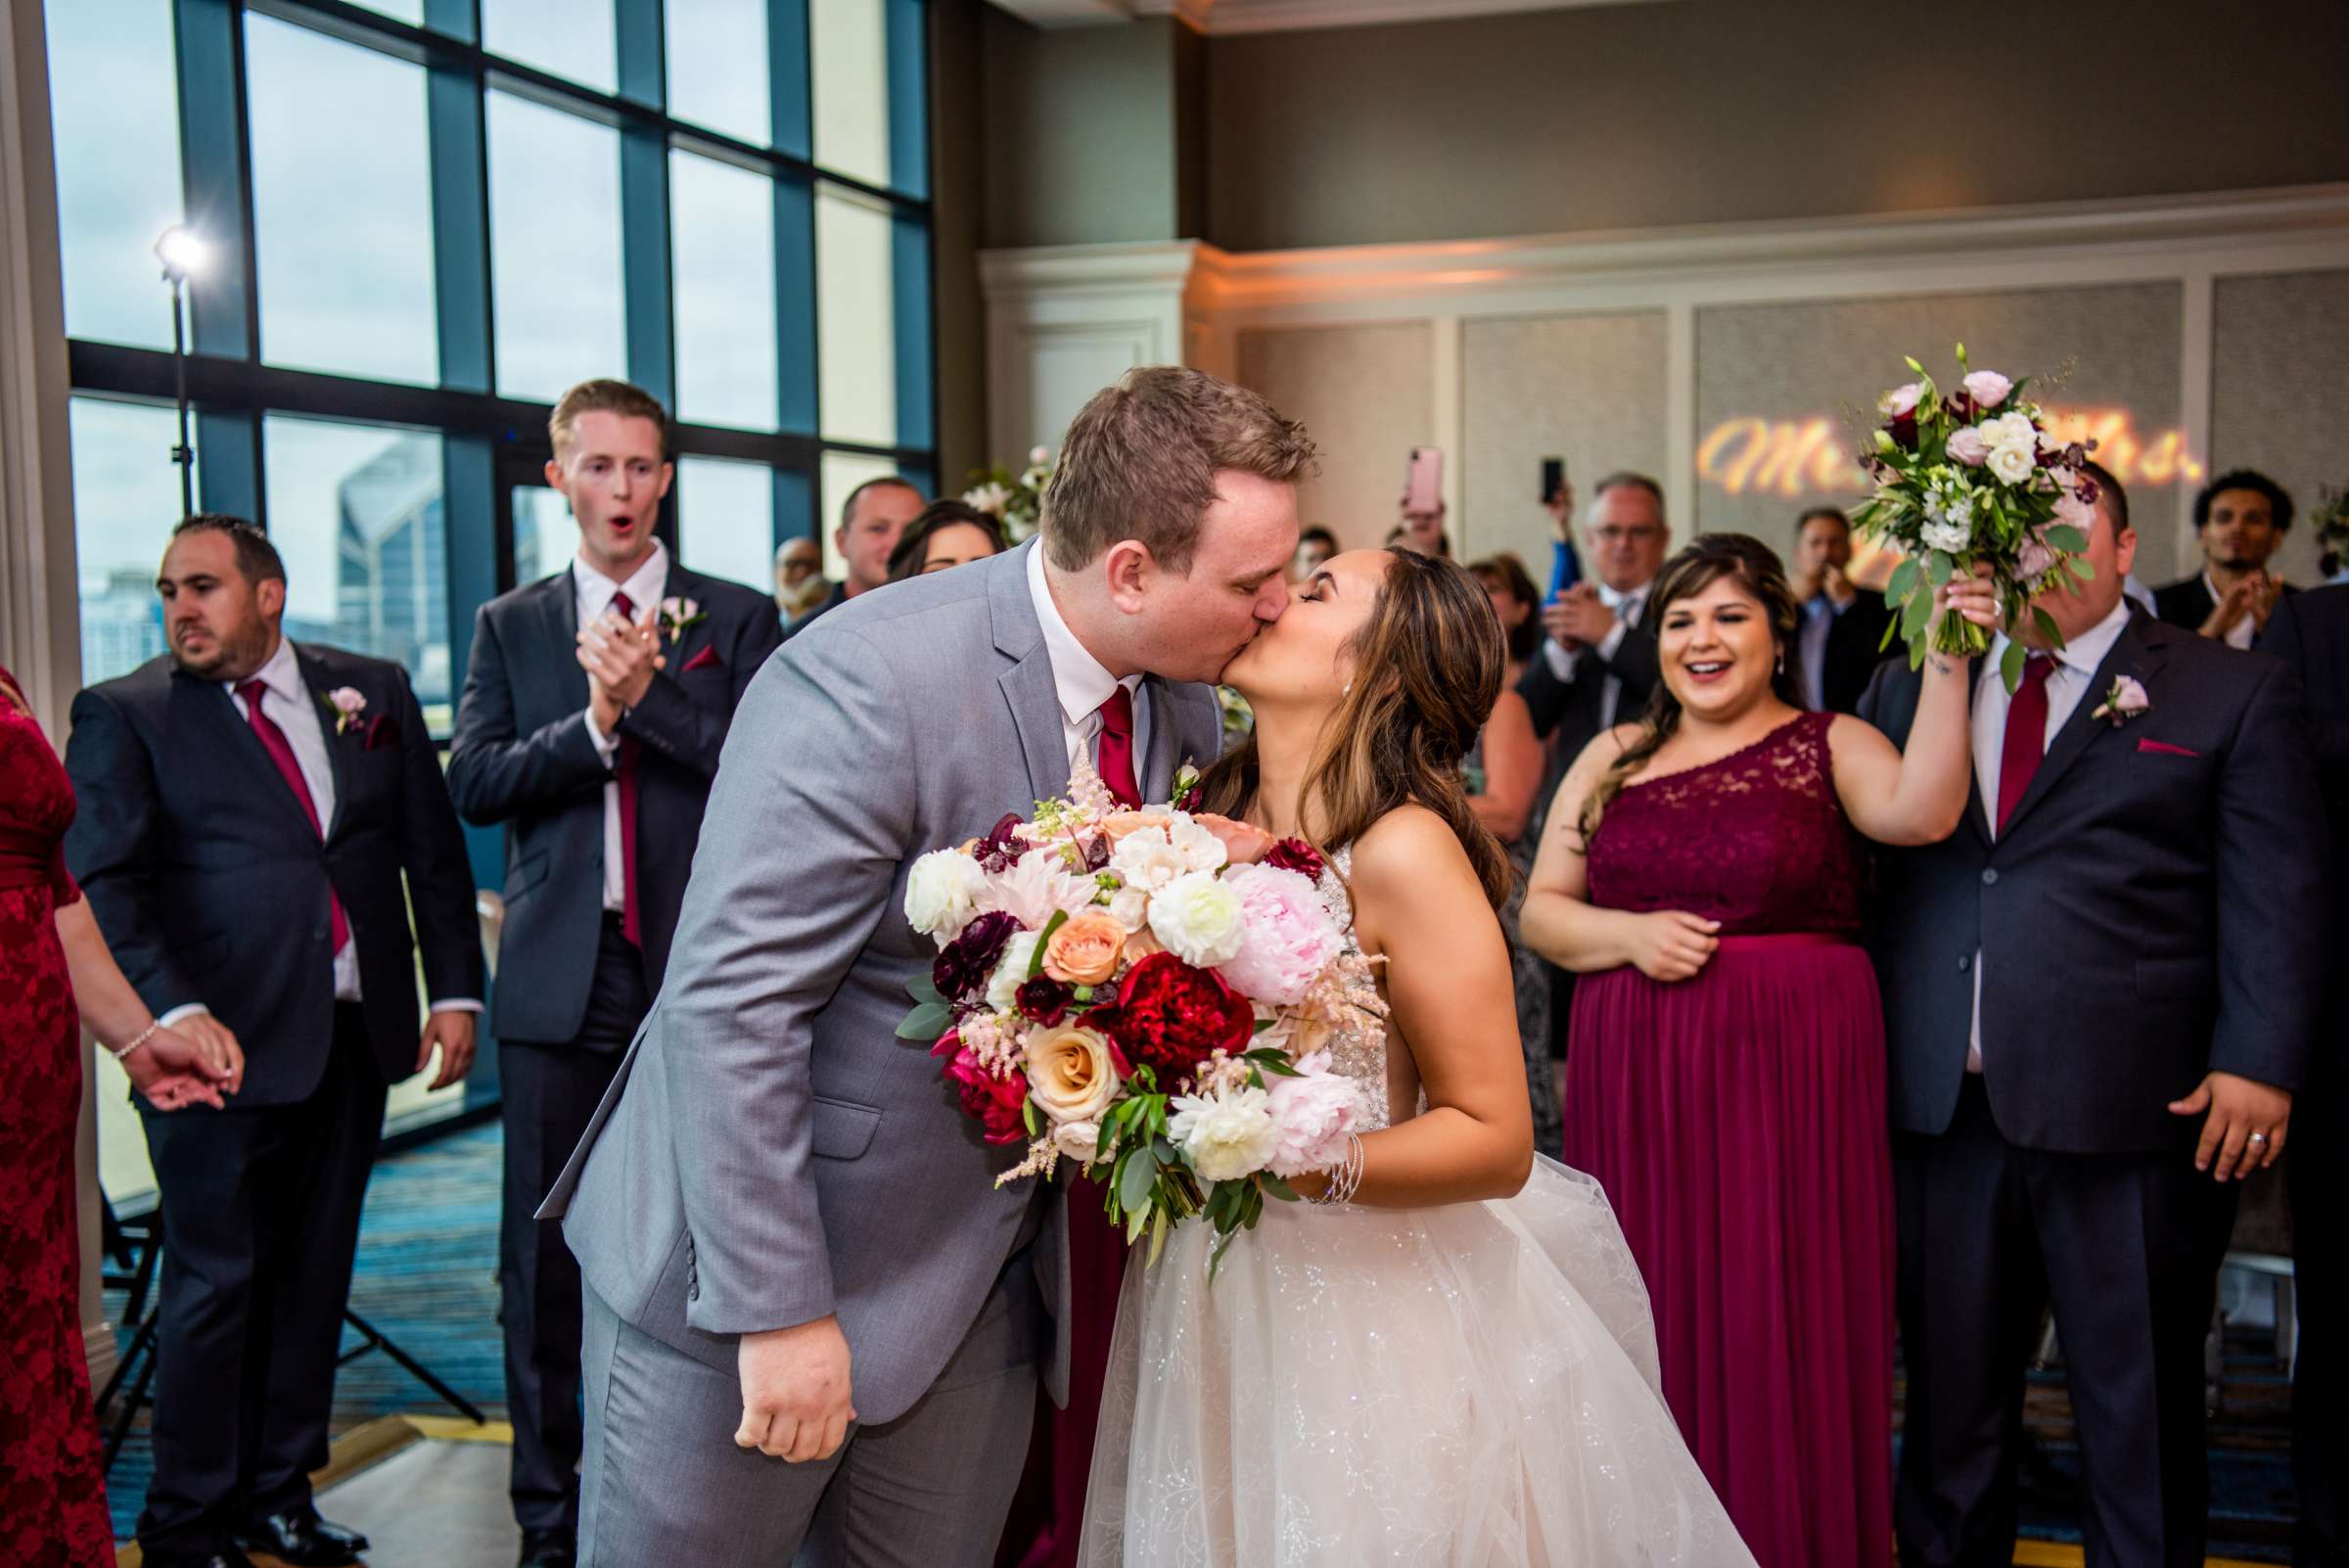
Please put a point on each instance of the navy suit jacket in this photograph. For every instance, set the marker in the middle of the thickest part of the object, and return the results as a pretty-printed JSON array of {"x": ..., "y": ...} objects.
[
  {"x": 523, "y": 756},
  {"x": 2151, "y": 913},
  {"x": 2310, "y": 632},
  {"x": 212, "y": 886}
]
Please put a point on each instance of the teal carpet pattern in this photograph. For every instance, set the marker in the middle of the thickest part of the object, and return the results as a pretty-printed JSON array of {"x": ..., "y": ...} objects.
[{"x": 428, "y": 1276}]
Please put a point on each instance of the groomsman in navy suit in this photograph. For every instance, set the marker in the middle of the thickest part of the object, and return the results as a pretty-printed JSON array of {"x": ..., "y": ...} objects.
[
  {"x": 2310, "y": 632},
  {"x": 257, "y": 821},
  {"x": 596, "y": 702},
  {"x": 2099, "y": 997}
]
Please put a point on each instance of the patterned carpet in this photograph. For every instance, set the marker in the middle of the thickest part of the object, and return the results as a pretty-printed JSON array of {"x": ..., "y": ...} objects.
[{"x": 427, "y": 1276}]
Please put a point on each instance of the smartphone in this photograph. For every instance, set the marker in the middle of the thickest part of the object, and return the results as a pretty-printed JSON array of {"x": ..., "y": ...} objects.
[
  {"x": 1553, "y": 478},
  {"x": 1424, "y": 480}
]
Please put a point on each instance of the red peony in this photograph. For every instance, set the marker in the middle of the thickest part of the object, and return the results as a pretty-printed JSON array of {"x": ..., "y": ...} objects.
[
  {"x": 995, "y": 1103},
  {"x": 1295, "y": 854},
  {"x": 1174, "y": 1016}
]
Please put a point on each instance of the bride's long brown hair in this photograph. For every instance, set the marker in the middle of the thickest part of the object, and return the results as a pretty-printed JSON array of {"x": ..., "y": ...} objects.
[{"x": 1427, "y": 668}]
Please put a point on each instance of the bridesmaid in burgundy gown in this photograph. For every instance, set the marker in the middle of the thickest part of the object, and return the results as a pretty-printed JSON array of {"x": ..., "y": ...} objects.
[
  {"x": 52, "y": 1488},
  {"x": 1725, "y": 1071}
]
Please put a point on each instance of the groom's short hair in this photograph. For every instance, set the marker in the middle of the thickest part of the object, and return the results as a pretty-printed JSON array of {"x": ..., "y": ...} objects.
[{"x": 1139, "y": 462}]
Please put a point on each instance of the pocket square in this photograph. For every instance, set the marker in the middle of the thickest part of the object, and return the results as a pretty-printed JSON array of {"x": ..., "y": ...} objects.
[
  {"x": 384, "y": 731},
  {"x": 707, "y": 659},
  {"x": 2165, "y": 747}
]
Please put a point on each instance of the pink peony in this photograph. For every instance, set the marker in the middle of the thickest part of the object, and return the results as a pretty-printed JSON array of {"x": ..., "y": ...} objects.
[
  {"x": 1988, "y": 389},
  {"x": 1970, "y": 446},
  {"x": 1313, "y": 1114},
  {"x": 1289, "y": 937}
]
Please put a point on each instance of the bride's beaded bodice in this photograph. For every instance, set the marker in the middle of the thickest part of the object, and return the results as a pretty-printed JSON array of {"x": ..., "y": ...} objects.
[{"x": 1357, "y": 1038}]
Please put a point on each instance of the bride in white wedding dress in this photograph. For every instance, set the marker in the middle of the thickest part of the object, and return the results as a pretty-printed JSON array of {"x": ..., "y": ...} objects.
[{"x": 1454, "y": 1365}]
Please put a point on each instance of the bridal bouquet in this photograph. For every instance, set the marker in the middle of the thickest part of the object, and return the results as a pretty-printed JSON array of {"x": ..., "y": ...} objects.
[
  {"x": 1966, "y": 479},
  {"x": 1149, "y": 994}
]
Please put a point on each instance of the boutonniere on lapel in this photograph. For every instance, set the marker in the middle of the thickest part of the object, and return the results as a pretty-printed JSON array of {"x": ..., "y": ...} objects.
[
  {"x": 344, "y": 705},
  {"x": 676, "y": 614},
  {"x": 1186, "y": 787},
  {"x": 2124, "y": 701}
]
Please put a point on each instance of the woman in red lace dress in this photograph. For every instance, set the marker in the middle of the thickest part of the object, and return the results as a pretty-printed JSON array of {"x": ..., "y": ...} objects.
[
  {"x": 1725, "y": 1069},
  {"x": 52, "y": 1489}
]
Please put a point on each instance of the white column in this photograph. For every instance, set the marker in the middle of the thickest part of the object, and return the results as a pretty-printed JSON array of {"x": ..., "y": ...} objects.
[
  {"x": 40, "y": 621},
  {"x": 1065, "y": 321}
]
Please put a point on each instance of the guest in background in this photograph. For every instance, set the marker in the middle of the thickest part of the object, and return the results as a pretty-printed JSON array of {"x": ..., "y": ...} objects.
[
  {"x": 1506, "y": 773},
  {"x": 875, "y": 513},
  {"x": 1703, "y": 869},
  {"x": 55, "y": 975},
  {"x": 258, "y": 819},
  {"x": 1843, "y": 629},
  {"x": 946, "y": 533},
  {"x": 799, "y": 581},
  {"x": 2240, "y": 519},
  {"x": 2310, "y": 633},
  {"x": 2099, "y": 995},
  {"x": 596, "y": 702},
  {"x": 1598, "y": 665},
  {"x": 1314, "y": 545},
  {"x": 1422, "y": 532}
]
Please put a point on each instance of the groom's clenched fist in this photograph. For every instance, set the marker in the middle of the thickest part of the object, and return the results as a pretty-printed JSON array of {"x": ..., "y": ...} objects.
[{"x": 795, "y": 1391}]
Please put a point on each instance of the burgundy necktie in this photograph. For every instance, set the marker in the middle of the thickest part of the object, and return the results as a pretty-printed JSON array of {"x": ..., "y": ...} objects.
[
  {"x": 625, "y": 774},
  {"x": 2026, "y": 734},
  {"x": 281, "y": 752},
  {"x": 1114, "y": 759}
]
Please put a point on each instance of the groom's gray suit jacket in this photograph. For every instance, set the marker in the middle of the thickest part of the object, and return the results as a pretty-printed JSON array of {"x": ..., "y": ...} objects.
[{"x": 771, "y": 1152}]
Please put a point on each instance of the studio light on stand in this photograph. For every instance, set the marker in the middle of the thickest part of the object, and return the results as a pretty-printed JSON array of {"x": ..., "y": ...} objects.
[{"x": 184, "y": 255}]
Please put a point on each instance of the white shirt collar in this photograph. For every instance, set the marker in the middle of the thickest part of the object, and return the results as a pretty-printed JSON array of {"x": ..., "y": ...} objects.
[
  {"x": 646, "y": 585},
  {"x": 1084, "y": 683},
  {"x": 2081, "y": 654},
  {"x": 280, "y": 672},
  {"x": 1616, "y": 598}
]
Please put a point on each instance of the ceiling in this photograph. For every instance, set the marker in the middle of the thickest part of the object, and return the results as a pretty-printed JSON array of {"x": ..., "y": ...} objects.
[{"x": 1222, "y": 16}]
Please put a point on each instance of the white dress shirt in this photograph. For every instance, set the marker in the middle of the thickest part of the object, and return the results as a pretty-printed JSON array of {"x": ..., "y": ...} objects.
[
  {"x": 592, "y": 593},
  {"x": 1084, "y": 683},
  {"x": 2245, "y": 628},
  {"x": 294, "y": 708},
  {"x": 1564, "y": 661},
  {"x": 2068, "y": 683}
]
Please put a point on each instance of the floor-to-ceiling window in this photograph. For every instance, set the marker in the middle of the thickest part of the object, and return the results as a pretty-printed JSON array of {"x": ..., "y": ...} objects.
[{"x": 424, "y": 220}]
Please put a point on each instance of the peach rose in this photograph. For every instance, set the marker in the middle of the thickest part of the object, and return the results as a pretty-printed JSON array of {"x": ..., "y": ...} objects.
[
  {"x": 1117, "y": 824},
  {"x": 1071, "y": 1074},
  {"x": 1242, "y": 845},
  {"x": 1084, "y": 950}
]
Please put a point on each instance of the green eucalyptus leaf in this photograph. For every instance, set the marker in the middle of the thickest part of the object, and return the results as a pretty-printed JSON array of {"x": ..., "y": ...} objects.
[
  {"x": 2064, "y": 537},
  {"x": 2011, "y": 665},
  {"x": 1903, "y": 578},
  {"x": 1916, "y": 612},
  {"x": 922, "y": 988},
  {"x": 1939, "y": 566},
  {"x": 1134, "y": 1181},
  {"x": 1035, "y": 959},
  {"x": 926, "y": 1022},
  {"x": 2047, "y": 628}
]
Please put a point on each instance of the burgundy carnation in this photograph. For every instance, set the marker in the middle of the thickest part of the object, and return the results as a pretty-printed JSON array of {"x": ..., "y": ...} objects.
[
  {"x": 967, "y": 962},
  {"x": 1045, "y": 999},
  {"x": 1295, "y": 854},
  {"x": 1174, "y": 1016}
]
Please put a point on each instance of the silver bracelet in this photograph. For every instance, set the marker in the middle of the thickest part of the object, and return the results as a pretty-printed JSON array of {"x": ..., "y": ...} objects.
[
  {"x": 1344, "y": 1177},
  {"x": 122, "y": 1052}
]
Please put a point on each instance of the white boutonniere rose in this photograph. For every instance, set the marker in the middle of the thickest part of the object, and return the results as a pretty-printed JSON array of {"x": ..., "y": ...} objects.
[{"x": 2124, "y": 701}]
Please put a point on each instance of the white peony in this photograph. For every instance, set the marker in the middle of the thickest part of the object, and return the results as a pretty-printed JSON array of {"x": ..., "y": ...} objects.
[
  {"x": 1199, "y": 849},
  {"x": 2013, "y": 464},
  {"x": 1225, "y": 1135},
  {"x": 1033, "y": 890},
  {"x": 942, "y": 893},
  {"x": 1147, "y": 861},
  {"x": 1011, "y": 971},
  {"x": 1130, "y": 907},
  {"x": 1199, "y": 920},
  {"x": 2011, "y": 429}
]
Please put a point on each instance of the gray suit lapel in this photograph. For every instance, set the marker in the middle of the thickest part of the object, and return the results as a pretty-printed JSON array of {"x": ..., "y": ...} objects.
[{"x": 1028, "y": 686}]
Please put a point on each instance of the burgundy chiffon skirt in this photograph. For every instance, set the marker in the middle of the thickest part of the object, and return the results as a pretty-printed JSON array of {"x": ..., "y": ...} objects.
[{"x": 1737, "y": 1124}]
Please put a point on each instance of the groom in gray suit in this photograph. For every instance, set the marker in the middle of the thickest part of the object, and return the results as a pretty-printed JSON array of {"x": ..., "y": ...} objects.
[{"x": 813, "y": 1323}]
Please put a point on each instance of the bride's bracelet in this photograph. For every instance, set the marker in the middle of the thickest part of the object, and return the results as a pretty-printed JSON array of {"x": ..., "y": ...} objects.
[
  {"x": 1344, "y": 1177},
  {"x": 122, "y": 1052}
]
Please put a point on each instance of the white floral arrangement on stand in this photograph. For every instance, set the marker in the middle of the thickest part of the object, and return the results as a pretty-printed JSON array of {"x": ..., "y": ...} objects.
[{"x": 1016, "y": 500}]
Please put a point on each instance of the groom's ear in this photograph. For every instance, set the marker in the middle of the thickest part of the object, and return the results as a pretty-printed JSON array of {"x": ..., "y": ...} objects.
[{"x": 1129, "y": 568}]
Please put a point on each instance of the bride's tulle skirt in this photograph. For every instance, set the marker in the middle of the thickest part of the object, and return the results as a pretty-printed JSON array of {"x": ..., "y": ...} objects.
[{"x": 1474, "y": 1385}]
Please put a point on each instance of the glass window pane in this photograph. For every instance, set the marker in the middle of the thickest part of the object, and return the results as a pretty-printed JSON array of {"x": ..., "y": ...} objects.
[
  {"x": 723, "y": 267},
  {"x": 544, "y": 535},
  {"x": 855, "y": 328},
  {"x": 342, "y": 203},
  {"x": 727, "y": 520},
  {"x": 718, "y": 66},
  {"x": 848, "y": 42},
  {"x": 126, "y": 500},
  {"x": 356, "y": 511},
  {"x": 569, "y": 39},
  {"x": 410, "y": 11},
  {"x": 113, "y": 108},
  {"x": 554, "y": 249},
  {"x": 837, "y": 476}
]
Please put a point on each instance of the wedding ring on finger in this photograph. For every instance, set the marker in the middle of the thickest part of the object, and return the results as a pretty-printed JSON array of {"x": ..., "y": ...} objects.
[{"x": 2258, "y": 1139}]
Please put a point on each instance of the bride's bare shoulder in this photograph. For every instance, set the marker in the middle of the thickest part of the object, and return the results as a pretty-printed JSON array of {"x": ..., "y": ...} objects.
[{"x": 1411, "y": 852}]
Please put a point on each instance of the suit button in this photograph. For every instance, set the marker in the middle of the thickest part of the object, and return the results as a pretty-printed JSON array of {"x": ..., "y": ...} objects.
[
  {"x": 1966, "y": 962},
  {"x": 1990, "y": 877},
  {"x": 317, "y": 933}
]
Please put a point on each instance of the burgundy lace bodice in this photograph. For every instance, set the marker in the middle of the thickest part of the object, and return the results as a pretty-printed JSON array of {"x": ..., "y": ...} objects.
[{"x": 1755, "y": 840}]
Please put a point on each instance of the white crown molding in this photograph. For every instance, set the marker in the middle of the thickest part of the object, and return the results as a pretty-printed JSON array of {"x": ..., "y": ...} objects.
[
  {"x": 1006, "y": 276},
  {"x": 1234, "y": 16}
]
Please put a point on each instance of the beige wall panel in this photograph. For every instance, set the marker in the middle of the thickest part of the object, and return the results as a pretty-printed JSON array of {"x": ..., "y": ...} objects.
[
  {"x": 1366, "y": 394},
  {"x": 1588, "y": 388},
  {"x": 2279, "y": 391}
]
